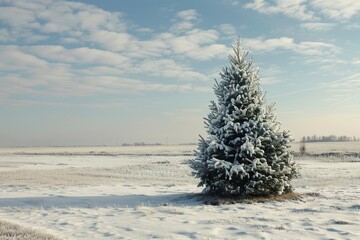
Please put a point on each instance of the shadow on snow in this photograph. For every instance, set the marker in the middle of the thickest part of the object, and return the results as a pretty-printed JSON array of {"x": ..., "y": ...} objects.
[{"x": 118, "y": 201}]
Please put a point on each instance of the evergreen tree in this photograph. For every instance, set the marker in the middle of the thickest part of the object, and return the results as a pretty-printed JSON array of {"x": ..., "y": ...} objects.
[{"x": 245, "y": 152}]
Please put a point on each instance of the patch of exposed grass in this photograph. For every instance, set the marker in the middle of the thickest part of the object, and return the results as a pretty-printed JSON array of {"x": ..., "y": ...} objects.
[
  {"x": 10, "y": 231},
  {"x": 312, "y": 194}
]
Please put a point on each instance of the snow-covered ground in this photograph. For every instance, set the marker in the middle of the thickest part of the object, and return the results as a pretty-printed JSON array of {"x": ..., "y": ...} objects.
[{"x": 148, "y": 192}]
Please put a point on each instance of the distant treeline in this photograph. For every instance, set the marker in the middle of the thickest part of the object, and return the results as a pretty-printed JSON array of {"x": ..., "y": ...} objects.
[
  {"x": 141, "y": 144},
  {"x": 152, "y": 144},
  {"x": 331, "y": 138}
]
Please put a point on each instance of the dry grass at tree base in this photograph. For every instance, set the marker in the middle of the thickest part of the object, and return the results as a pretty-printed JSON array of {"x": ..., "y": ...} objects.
[
  {"x": 10, "y": 231},
  {"x": 291, "y": 196}
]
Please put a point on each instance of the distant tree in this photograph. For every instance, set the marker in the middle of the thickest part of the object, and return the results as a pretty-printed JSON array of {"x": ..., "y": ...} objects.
[
  {"x": 302, "y": 147},
  {"x": 245, "y": 153}
]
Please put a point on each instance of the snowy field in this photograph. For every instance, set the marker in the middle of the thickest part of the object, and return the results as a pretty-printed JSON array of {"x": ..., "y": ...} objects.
[{"x": 148, "y": 192}]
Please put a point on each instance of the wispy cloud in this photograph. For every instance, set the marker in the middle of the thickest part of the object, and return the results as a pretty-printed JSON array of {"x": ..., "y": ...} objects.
[
  {"x": 24, "y": 73},
  {"x": 345, "y": 88},
  {"x": 294, "y": 9},
  {"x": 86, "y": 24},
  {"x": 185, "y": 20},
  {"x": 344, "y": 9},
  {"x": 352, "y": 26},
  {"x": 31, "y": 103},
  {"x": 285, "y": 43},
  {"x": 233, "y": 2},
  {"x": 325, "y": 62},
  {"x": 68, "y": 84},
  {"x": 13, "y": 59},
  {"x": 307, "y": 10},
  {"x": 271, "y": 75},
  {"x": 81, "y": 56},
  {"x": 318, "y": 26},
  {"x": 117, "y": 61},
  {"x": 71, "y": 19},
  {"x": 356, "y": 62},
  {"x": 69, "y": 48},
  {"x": 228, "y": 30},
  {"x": 5, "y": 35},
  {"x": 144, "y": 30},
  {"x": 168, "y": 68},
  {"x": 299, "y": 91},
  {"x": 344, "y": 91},
  {"x": 347, "y": 84}
]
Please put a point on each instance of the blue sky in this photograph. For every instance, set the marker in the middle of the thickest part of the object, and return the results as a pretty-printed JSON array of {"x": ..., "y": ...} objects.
[{"x": 108, "y": 72}]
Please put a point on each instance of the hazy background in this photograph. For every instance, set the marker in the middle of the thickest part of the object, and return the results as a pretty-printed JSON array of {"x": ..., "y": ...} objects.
[{"x": 110, "y": 72}]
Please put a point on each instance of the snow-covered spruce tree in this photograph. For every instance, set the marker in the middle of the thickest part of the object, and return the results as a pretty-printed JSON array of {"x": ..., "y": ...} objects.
[{"x": 245, "y": 152}]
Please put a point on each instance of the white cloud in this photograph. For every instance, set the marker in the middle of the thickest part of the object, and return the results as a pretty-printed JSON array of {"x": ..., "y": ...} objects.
[
  {"x": 344, "y": 9},
  {"x": 315, "y": 48},
  {"x": 105, "y": 57},
  {"x": 95, "y": 57},
  {"x": 181, "y": 26},
  {"x": 110, "y": 40},
  {"x": 144, "y": 30},
  {"x": 284, "y": 43},
  {"x": 317, "y": 26},
  {"x": 356, "y": 62},
  {"x": 187, "y": 15},
  {"x": 185, "y": 20},
  {"x": 101, "y": 71},
  {"x": 61, "y": 16},
  {"x": 113, "y": 84},
  {"x": 79, "y": 23},
  {"x": 79, "y": 56},
  {"x": 70, "y": 40},
  {"x": 269, "y": 80},
  {"x": 12, "y": 58},
  {"x": 29, "y": 5},
  {"x": 4, "y": 35},
  {"x": 67, "y": 82},
  {"x": 196, "y": 44},
  {"x": 228, "y": 29},
  {"x": 168, "y": 69},
  {"x": 18, "y": 17},
  {"x": 326, "y": 65},
  {"x": 127, "y": 44},
  {"x": 192, "y": 43},
  {"x": 305, "y": 10},
  {"x": 58, "y": 17},
  {"x": 295, "y": 8},
  {"x": 352, "y": 26},
  {"x": 233, "y": 2},
  {"x": 325, "y": 61},
  {"x": 57, "y": 71}
]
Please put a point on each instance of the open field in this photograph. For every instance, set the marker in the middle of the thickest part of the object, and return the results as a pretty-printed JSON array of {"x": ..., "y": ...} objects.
[{"x": 148, "y": 192}]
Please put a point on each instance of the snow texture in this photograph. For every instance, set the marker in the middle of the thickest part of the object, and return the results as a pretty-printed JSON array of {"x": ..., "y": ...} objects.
[{"x": 77, "y": 193}]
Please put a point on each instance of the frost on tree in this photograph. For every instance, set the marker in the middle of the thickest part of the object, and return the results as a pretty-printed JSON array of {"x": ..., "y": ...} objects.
[{"x": 245, "y": 152}]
